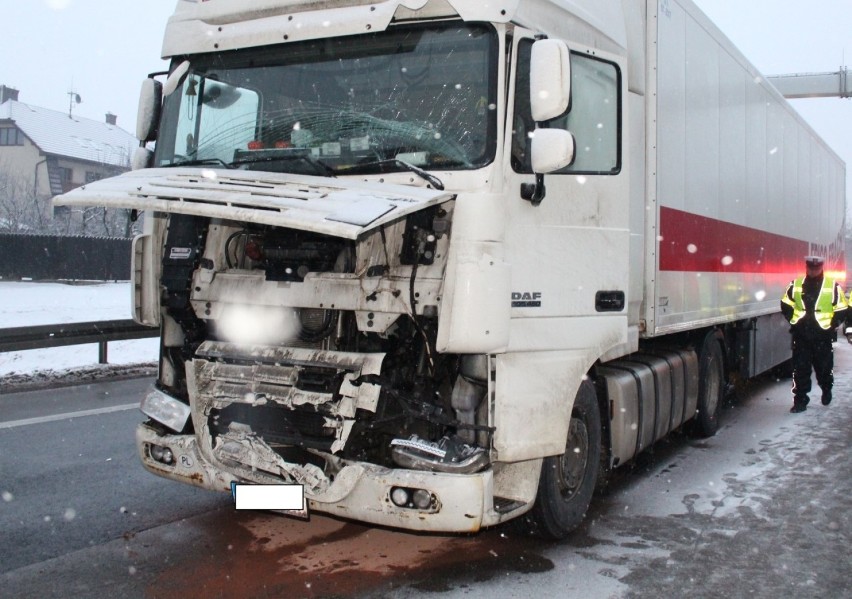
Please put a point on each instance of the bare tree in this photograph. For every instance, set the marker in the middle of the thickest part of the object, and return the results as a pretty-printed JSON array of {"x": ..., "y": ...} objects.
[
  {"x": 21, "y": 210},
  {"x": 97, "y": 221}
]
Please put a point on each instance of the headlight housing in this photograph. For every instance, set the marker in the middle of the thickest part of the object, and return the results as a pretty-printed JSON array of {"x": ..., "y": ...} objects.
[{"x": 165, "y": 409}]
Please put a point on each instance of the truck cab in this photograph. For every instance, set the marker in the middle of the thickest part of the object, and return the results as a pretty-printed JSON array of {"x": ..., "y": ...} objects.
[{"x": 402, "y": 254}]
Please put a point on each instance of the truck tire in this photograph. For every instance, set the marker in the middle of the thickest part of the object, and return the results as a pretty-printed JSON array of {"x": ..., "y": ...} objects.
[
  {"x": 568, "y": 481},
  {"x": 711, "y": 385}
]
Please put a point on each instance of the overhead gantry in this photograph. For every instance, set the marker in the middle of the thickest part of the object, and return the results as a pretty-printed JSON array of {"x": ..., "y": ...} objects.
[{"x": 836, "y": 84}]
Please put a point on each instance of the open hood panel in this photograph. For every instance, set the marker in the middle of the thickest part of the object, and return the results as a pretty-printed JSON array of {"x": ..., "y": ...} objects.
[{"x": 338, "y": 207}]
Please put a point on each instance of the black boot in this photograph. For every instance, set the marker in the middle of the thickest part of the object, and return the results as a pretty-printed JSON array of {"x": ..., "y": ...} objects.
[
  {"x": 800, "y": 404},
  {"x": 826, "y": 396}
]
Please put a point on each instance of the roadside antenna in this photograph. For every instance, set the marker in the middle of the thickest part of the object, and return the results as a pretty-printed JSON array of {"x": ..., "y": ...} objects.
[{"x": 73, "y": 98}]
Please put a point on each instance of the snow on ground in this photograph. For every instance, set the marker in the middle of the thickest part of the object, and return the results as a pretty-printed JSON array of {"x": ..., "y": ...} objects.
[{"x": 35, "y": 303}]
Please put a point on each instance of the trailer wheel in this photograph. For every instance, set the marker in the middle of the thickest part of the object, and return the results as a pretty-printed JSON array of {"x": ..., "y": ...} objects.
[
  {"x": 711, "y": 384},
  {"x": 568, "y": 481}
]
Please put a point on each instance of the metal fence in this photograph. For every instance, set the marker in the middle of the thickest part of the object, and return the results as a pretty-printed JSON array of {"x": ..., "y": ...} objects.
[
  {"x": 54, "y": 257},
  {"x": 76, "y": 333}
]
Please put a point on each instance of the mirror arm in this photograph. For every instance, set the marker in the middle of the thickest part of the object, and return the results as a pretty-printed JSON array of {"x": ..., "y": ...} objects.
[{"x": 534, "y": 192}]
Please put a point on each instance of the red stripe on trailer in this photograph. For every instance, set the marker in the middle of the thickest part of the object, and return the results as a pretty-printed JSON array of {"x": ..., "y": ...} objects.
[{"x": 693, "y": 243}]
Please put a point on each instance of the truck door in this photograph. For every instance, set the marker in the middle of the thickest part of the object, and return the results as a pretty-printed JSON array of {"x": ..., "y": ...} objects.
[{"x": 569, "y": 254}]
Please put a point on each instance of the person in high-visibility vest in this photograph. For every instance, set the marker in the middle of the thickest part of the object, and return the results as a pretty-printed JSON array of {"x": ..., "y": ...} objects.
[
  {"x": 815, "y": 306},
  {"x": 849, "y": 318}
]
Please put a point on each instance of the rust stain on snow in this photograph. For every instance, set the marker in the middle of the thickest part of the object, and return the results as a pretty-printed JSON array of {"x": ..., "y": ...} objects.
[{"x": 264, "y": 555}]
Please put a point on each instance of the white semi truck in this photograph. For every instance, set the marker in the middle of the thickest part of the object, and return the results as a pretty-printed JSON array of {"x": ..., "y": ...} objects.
[{"x": 445, "y": 263}]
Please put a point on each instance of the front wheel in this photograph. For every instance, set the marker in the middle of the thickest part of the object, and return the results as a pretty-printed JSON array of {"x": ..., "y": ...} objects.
[{"x": 568, "y": 481}]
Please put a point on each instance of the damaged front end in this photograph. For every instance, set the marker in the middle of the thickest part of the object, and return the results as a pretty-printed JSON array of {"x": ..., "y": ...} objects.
[{"x": 305, "y": 357}]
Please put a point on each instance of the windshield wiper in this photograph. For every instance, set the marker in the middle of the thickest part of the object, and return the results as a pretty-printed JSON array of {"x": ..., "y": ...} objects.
[
  {"x": 280, "y": 156},
  {"x": 198, "y": 162},
  {"x": 432, "y": 179}
]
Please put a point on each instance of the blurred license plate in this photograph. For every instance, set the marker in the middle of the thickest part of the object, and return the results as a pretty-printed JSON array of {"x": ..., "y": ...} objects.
[{"x": 285, "y": 499}]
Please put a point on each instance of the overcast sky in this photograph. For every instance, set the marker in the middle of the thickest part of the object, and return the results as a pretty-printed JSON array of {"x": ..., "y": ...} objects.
[{"x": 102, "y": 49}]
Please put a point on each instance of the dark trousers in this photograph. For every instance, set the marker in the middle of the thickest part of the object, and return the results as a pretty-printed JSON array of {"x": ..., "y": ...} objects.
[{"x": 811, "y": 353}]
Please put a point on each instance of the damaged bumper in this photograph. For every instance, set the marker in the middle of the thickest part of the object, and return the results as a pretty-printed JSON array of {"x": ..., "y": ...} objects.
[{"x": 364, "y": 492}]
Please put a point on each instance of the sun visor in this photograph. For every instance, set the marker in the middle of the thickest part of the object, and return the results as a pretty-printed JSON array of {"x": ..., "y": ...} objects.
[{"x": 338, "y": 207}]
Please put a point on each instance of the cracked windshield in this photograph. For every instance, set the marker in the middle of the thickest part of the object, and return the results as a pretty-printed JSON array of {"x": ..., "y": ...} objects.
[{"x": 425, "y": 97}]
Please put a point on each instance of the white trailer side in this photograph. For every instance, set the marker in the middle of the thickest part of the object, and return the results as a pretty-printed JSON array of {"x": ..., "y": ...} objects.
[{"x": 740, "y": 186}]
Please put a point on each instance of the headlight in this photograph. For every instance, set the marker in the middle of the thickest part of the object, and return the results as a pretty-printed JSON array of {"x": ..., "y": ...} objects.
[{"x": 165, "y": 409}]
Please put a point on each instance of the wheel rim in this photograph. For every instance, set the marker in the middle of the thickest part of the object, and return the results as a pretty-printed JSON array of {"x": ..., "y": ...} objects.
[{"x": 572, "y": 464}]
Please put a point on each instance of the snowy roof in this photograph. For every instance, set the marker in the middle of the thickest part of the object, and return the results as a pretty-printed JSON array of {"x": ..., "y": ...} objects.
[{"x": 76, "y": 137}]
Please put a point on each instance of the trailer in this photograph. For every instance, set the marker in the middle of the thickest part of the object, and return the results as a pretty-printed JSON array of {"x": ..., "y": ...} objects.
[{"x": 440, "y": 264}]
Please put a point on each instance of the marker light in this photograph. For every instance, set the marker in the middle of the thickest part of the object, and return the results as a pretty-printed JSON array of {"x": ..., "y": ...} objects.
[
  {"x": 422, "y": 499},
  {"x": 399, "y": 496},
  {"x": 162, "y": 454}
]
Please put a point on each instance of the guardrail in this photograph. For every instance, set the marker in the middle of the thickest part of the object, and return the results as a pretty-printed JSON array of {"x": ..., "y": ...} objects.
[{"x": 74, "y": 333}]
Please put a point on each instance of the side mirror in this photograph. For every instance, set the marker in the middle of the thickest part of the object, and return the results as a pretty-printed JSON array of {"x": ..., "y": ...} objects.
[
  {"x": 175, "y": 78},
  {"x": 142, "y": 158},
  {"x": 550, "y": 79},
  {"x": 148, "y": 116},
  {"x": 550, "y": 95},
  {"x": 552, "y": 149}
]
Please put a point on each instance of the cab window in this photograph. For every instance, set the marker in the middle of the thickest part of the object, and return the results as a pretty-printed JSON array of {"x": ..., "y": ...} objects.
[{"x": 593, "y": 115}]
